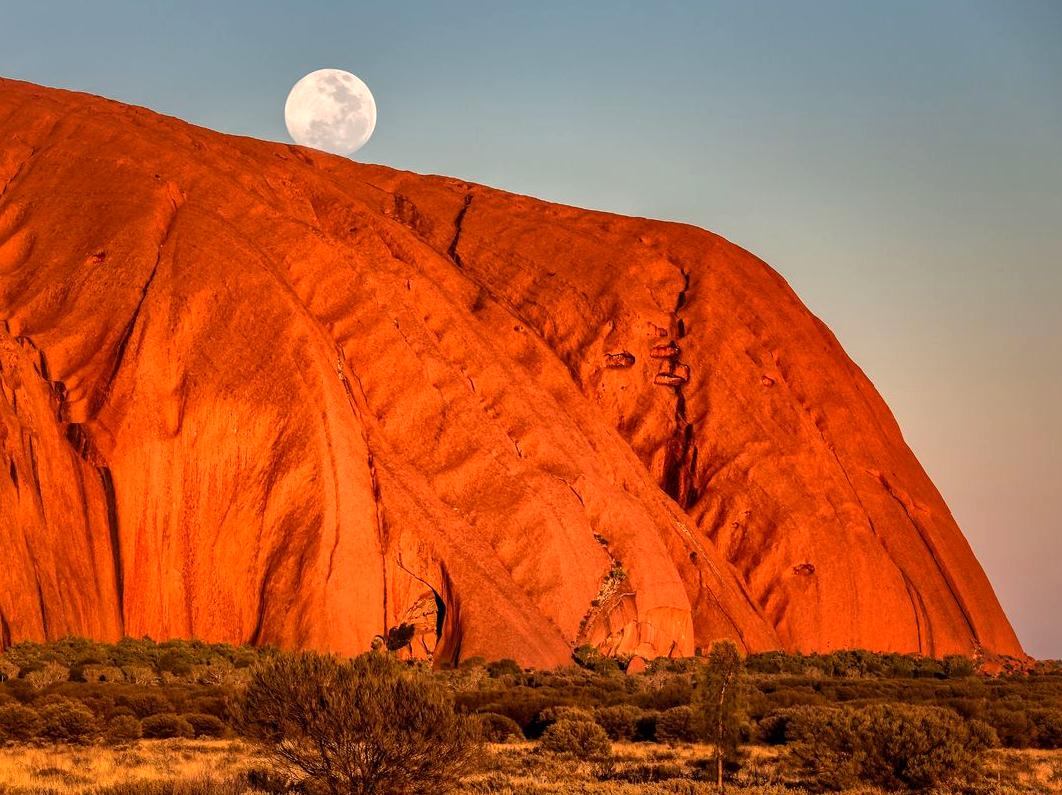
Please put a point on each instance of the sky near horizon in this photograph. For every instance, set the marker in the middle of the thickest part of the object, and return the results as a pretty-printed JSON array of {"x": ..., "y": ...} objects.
[{"x": 900, "y": 164}]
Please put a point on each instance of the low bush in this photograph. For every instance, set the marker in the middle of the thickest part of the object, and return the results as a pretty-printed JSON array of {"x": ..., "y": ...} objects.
[
  {"x": 893, "y": 746},
  {"x": 675, "y": 726},
  {"x": 166, "y": 726},
  {"x": 505, "y": 667},
  {"x": 205, "y": 725},
  {"x": 18, "y": 723},
  {"x": 368, "y": 725},
  {"x": 67, "y": 722},
  {"x": 495, "y": 728},
  {"x": 579, "y": 738},
  {"x": 619, "y": 722},
  {"x": 123, "y": 729}
]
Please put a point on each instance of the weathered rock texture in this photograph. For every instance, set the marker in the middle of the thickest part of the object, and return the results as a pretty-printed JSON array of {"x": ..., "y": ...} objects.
[{"x": 251, "y": 392}]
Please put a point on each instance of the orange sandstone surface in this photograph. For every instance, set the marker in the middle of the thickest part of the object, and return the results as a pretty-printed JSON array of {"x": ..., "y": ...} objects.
[{"x": 253, "y": 392}]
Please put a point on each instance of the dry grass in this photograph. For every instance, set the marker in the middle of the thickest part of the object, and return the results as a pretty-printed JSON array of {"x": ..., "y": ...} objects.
[
  {"x": 186, "y": 767},
  {"x": 66, "y": 770}
]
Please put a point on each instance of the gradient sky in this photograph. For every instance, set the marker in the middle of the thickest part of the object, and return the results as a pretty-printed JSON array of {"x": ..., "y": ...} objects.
[{"x": 899, "y": 163}]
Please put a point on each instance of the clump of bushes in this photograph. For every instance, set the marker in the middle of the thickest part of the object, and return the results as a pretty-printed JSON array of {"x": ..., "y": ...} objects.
[
  {"x": 893, "y": 746},
  {"x": 579, "y": 738}
]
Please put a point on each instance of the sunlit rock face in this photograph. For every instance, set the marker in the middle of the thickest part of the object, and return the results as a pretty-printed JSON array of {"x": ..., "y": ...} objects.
[{"x": 250, "y": 392}]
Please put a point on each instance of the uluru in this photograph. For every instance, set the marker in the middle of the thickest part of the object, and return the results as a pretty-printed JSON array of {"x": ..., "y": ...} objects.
[{"x": 255, "y": 393}]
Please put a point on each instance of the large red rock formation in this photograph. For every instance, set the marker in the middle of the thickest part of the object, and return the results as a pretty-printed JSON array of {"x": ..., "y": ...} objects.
[{"x": 252, "y": 392}]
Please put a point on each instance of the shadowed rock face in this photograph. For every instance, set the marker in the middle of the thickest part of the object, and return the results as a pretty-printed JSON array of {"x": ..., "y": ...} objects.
[{"x": 252, "y": 392}]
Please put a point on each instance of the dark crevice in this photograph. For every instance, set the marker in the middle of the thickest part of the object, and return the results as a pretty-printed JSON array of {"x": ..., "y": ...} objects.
[
  {"x": 5, "y": 633},
  {"x": 115, "y": 538},
  {"x": 451, "y": 251},
  {"x": 41, "y": 606},
  {"x": 35, "y": 470},
  {"x": 440, "y": 615},
  {"x": 12, "y": 471}
]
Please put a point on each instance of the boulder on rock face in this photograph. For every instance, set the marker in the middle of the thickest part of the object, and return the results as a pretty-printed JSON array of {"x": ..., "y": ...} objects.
[{"x": 253, "y": 392}]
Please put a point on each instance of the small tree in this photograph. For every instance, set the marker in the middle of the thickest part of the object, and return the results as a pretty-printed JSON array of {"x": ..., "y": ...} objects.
[
  {"x": 717, "y": 703},
  {"x": 365, "y": 727}
]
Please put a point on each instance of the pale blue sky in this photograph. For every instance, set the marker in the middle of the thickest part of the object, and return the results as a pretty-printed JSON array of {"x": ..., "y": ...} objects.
[{"x": 899, "y": 163}]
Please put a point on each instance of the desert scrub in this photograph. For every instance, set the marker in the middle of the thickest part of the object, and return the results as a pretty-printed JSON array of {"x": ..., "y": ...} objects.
[
  {"x": 495, "y": 728},
  {"x": 363, "y": 726},
  {"x": 896, "y": 747},
  {"x": 578, "y": 738}
]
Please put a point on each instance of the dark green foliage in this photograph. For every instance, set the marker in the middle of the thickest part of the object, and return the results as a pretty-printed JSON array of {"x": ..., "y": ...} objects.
[
  {"x": 165, "y": 726},
  {"x": 619, "y": 722},
  {"x": 18, "y": 723},
  {"x": 675, "y": 725},
  {"x": 579, "y": 738},
  {"x": 66, "y": 721},
  {"x": 892, "y": 746},
  {"x": 365, "y": 726},
  {"x": 495, "y": 728}
]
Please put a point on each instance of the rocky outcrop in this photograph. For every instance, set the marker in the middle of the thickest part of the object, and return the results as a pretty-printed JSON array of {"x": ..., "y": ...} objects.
[{"x": 252, "y": 392}]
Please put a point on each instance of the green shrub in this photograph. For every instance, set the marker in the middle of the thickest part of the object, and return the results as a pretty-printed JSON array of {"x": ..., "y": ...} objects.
[
  {"x": 165, "y": 726},
  {"x": 19, "y": 723},
  {"x": 495, "y": 728},
  {"x": 123, "y": 729},
  {"x": 205, "y": 725},
  {"x": 893, "y": 746},
  {"x": 579, "y": 738},
  {"x": 620, "y": 722},
  {"x": 675, "y": 726},
  {"x": 67, "y": 722}
]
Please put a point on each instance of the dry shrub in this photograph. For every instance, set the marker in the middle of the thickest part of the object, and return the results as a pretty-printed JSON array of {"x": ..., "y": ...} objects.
[
  {"x": 67, "y": 722},
  {"x": 19, "y": 723},
  {"x": 166, "y": 726},
  {"x": 579, "y": 738},
  {"x": 368, "y": 725},
  {"x": 893, "y": 746},
  {"x": 495, "y": 728},
  {"x": 619, "y": 722}
]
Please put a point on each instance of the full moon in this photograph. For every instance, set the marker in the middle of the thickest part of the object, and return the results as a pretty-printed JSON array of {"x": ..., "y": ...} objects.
[{"x": 330, "y": 110}]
